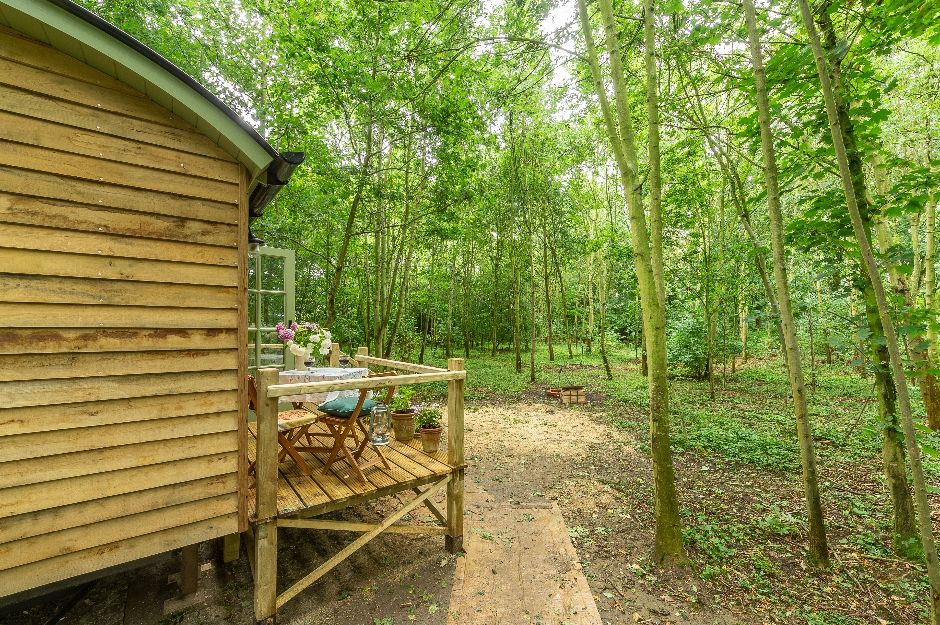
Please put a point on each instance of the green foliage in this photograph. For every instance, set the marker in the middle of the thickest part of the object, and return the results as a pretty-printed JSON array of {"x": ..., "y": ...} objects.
[
  {"x": 402, "y": 399},
  {"x": 428, "y": 418}
]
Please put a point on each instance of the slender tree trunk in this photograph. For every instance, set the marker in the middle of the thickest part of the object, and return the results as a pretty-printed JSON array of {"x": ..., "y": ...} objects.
[
  {"x": 871, "y": 268},
  {"x": 930, "y": 303},
  {"x": 668, "y": 545},
  {"x": 818, "y": 545},
  {"x": 348, "y": 231},
  {"x": 564, "y": 301},
  {"x": 516, "y": 314},
  {"x": 532, "y": 301},
  {"x": 892, "y": 444},
  {"x": 548, "y": 297}
]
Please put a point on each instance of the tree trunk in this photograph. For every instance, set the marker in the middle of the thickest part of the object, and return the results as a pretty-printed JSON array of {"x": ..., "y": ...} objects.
[
  {"x": 871, "y": 268},
  {"x": 818, "y": 546},
  {"x": 892, "y": 450},
  {"x": 668, "y": 546},
  {"x": 930, "y": 303},
  {"x": 548, "y": 298}
]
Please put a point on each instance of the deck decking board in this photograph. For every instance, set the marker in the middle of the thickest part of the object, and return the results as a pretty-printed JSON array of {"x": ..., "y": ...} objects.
[{"x": 321, "y": 492}]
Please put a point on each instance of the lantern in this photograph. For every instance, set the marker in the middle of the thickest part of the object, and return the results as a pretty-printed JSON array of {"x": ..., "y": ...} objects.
[{"x": 380, "y": 424}]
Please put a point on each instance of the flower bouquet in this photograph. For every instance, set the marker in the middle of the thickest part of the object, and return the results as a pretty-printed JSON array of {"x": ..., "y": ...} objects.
[{"x": 305, "y": 339}]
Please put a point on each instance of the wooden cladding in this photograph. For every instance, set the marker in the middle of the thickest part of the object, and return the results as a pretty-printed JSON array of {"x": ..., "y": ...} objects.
[{"x": 122, "y": 254}]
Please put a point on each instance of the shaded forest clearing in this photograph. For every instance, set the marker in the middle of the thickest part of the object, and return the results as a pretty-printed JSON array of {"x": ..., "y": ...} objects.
[{"x": 737, "y": 468}]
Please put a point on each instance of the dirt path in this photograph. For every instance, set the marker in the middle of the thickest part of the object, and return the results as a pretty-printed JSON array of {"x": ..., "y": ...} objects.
[{"x": 542, "y": 452}]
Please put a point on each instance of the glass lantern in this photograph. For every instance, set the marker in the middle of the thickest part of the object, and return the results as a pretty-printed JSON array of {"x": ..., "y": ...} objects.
[{"x": 380, "y": 425}]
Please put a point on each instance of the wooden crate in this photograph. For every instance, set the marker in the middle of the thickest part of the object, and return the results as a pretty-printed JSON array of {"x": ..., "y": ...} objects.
[{"x": 573, "y": 395}]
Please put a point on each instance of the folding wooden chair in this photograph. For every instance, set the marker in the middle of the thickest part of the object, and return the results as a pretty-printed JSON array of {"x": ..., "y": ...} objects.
[
  {"x": 342, "y": 428},
  {"x": 292, "y": 425}
]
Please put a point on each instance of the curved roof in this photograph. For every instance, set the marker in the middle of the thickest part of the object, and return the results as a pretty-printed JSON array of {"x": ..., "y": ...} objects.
[{"x": 83, "y": 35}]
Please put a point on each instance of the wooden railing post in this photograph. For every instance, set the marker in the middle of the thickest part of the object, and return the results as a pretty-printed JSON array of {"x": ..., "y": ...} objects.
[
  {"x": 334, "y": 355},
  {"x": 362, "y": 351},
  {"x": 266, "y": 501},
  {"x": 455, "y": 392}
]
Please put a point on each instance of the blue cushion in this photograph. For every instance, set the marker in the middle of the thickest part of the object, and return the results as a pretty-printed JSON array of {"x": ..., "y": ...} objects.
[{"x": 343, "y": 407}]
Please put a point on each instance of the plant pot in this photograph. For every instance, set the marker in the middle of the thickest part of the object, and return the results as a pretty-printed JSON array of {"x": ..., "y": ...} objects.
[
  {"x": 403, "y": 422},
  {"x": 431, "y": 439}
]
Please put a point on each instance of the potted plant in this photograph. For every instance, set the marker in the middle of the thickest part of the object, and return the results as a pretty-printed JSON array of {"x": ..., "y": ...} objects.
[
  {"x": 403, "y": 415},
  {"x": 429, "y": 425}
]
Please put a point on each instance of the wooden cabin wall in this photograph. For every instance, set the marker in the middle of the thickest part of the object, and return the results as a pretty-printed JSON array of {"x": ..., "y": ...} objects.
[{"x": 122, "y": 275}]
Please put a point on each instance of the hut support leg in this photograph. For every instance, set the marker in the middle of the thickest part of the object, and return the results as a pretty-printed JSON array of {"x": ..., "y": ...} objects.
[
  {"x": 231, "y": 547},
  {"x": 189, "y": 570},
  {"x": 453, "y": 540},
  {"x": 455, "y": 458},
  {"x": 266, "y": 572}
]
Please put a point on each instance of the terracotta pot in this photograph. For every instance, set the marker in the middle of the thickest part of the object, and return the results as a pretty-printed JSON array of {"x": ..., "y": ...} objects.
[
  {"x": 431, "y": 439},
  {"x": 403, "y": 422}
]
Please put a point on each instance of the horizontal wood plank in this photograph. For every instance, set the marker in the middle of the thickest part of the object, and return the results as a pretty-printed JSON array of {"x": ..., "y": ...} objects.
[
  {"x": 43, "y": 496},
  {"x": 16, "y": 47},
  {"x": 38, "y": 106},
  {"x": 15, "y": 421},
  {"x": 53, "y": 468},
  {"x": 37, "y": 211},
  {"x": 56, "y": 290},
  {"x": 23, "y": 182},
  {"x": 34, "y": 158},
  {"x": 68, "y": 138},
  {"x": 71, "y": 89},
  {"x": 38, "y": 262},
  {"x": 113, "y": 530},
  {"x": 53, "y": 340},
  {"x": 69, "y": 315},
  {"x": 26, "y": 367},
  {"x": 42, "y": 444},
  {"x": 63, "y": 567},
  {"x": 56, "y": 239},
  {"x": 74, "y": 390},
  {"x": 96, "y": 510}
]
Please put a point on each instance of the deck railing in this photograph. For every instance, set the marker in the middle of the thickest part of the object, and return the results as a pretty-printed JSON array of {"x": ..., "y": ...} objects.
[{"x": 266, "y": 467}]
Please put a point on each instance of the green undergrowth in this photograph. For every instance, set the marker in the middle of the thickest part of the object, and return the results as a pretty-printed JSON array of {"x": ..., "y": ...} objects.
[{"x": 750, "y": 420}]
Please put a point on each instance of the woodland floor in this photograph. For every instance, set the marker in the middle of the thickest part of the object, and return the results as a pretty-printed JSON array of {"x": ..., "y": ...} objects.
[{"x": 738, "y": 480}]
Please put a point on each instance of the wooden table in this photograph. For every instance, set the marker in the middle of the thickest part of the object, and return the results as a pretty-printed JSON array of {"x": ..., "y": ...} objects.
[{"x": 320, "y": 374}]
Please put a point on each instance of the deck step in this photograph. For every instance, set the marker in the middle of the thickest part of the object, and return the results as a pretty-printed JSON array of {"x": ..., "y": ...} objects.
[{"x": 520, "y": 567}]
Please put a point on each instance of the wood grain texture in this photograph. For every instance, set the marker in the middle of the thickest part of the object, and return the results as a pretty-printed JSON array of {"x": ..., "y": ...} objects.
[
  {"x": 35, "y": 470},
  {"x": 73, "y": 315},
  {"x": 42, "y": 444},
  {"x": 87, "y": 560},
  {"x": 87, "y": 365},
  {"x": 51, "y": 392},
  {"x": 41, "y": 496},
  {"x": 113, "y": 530},
  {"x": 69, "y": 139},
  {"x": 21, "y": 182},
  {"x": 55, "y": 290},
  {"x": 69, "y": 216},
  {"x": 35, "y": 158},
  {"x": 85, "y": 513},
  {"x": 16, "y": 47},
  {"x": 38, "y": 262},
  {"x": 14, "y": 421},
  {"x": 37, "y": 106},
  {"x": 71, "y": 340},
  {"x": 132, "y": 104},
  {"x": 55, "y": 239}
]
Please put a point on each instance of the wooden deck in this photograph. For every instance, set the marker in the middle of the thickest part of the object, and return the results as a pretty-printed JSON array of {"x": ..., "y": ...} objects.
[
  {"x": 282, "y": 496},
  {"x": 320, "y": 492}
]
